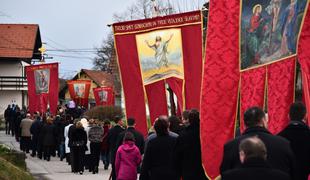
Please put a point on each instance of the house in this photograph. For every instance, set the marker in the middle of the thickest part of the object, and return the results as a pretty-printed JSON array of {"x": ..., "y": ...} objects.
[
  {"x": 99, "y": 79},
  {"x": 19, "y": 46}
]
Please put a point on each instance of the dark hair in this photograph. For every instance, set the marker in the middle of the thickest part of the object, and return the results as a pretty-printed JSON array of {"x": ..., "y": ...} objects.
[
  {"x": 253, "y": 147},
  {"x": 185, "y": 114},
  {"x": 253, "y": 116},
  {"x": 129, "y": 136},
  {"x": 106, "y": 122},
  {"x": 117, "y": 119},
  {"x": 297, "y": 111},
  {"x": 161, "y": 126},
  {"x": 174, "y": 124},
  {"x": 193, "y": 117},
  {"x": 131, "y": 121}
]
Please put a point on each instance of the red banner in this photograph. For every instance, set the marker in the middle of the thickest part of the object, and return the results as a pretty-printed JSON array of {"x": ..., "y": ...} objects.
[
  {"x": 153, "y": 50},
  {"x": 104, "y": 96},
  {"x": 42, "y": 87},
  {"x": 79, "y": 91},
  {"x": 252, "y": 92},
  {"x": 220, "y": 83}
]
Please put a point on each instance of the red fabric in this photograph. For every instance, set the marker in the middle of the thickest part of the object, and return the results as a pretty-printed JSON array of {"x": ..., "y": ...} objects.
[
  {"x": 109, "y": 100},
  {"x": 281, "y": 77},
  {"x": 39, "y": 101},
  {"x": 304, "y": 60},
  {"x": 157, "y": 99},
  {"x": 125, "y": 40},
  {"x": 132, "y": 81},
  {"x": 80, "y": 101},
  {"x": 255, "y": 22},
  {"x": 177, "y": 87},
  {"x": 220, "y": 82},
  {"x": 192, "y": 59},
  {"x": 252, "y": 91}
]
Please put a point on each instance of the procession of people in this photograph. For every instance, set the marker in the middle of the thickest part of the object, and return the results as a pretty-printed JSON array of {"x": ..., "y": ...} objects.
[{"x": 171, "y": 150}]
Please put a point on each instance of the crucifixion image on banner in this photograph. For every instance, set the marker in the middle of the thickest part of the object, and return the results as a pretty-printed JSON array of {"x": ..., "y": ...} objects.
[
  {"x": 269, "y": 30},
  {"x": 42, "y": 80},
  {"x": 160, "y": 55}
]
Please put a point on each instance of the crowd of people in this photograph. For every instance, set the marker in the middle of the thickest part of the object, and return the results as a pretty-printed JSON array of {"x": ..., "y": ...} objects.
[{"x": 171, "y": 150}]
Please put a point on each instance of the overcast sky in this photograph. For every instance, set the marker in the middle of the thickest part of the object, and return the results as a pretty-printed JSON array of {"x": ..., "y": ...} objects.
[
  {"x": 66, "y": 24},
  {"x": 71, "y": 24}
]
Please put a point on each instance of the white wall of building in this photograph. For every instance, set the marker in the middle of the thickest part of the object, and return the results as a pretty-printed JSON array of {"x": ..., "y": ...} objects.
[
  {"x": 11, "y": 68},
  {"x": 11, "y": 97}
]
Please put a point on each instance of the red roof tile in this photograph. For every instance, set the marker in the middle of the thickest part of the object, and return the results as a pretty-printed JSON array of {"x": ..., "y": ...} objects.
[{"x": 19, "y": 40}]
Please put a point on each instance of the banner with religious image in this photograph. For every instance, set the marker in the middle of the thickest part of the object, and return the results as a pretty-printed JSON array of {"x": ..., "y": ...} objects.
[
  {"x": 104, "y": 96},
  {"x": 42, "y": 87},
  {"x": 155, "y": 52},
  {"x": 79, "y": 91},
  {"x": 269, "y": 30}
]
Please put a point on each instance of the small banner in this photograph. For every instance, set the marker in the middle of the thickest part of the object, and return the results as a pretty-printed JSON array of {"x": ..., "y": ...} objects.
[
  {"x": 79, "y": 91},
  {"x": 42, "y": 87},
  {"x": 104, "y": 96},
  {"x": 158, "y": 51}
]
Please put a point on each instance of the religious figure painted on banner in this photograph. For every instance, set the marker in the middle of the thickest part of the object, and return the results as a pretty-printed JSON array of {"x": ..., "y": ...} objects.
[
  {"x": 103, "y": 96},
  {"x": 160, "y": 54},
  {"x": 269, "y": 30},
  {"x": 79, "y": 90},
  {"x": 42, "y": 80}
]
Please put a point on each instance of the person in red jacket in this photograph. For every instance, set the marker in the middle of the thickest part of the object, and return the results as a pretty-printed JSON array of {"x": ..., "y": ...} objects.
[{"x": 127, "y": 159}]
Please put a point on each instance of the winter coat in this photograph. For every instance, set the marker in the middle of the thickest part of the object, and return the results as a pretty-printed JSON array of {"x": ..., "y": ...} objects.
[
  {"x": 95, "y": 134},
  {"x": 104, "y": 143},
  {"x": 112, "y": 140},
  {"x": 25, "y": 126},
  {"x": 127, "y": 160},
  {"x": 49, "y": 135},
  {"x": 298, "y": 133},
  {"x": 157, "y": 161},
  {"x": 78, "y": 136},
  {"x": 255, "y": 169}
]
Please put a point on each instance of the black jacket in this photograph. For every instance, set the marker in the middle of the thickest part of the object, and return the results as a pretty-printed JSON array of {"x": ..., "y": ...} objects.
[
  {"x": 298, "y": 133},
  {"x": 255, "y": 169},
  {"x": 157, "y": 161},
  {"x": 279, "y": 153},
  {"x": 138, "y": 137},
  {"x": 78, "y": 135},
  {"x": 187, "y": 160},
  {"x": 112, "y": 140},
  {"x": 36, "y": 128},
  {"x": 49, "y": 135}
]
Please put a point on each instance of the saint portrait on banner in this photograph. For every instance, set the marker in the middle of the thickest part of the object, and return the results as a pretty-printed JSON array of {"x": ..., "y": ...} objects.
[
  {"x": 42, "y": 79},
  {"x": 269, "y": 30},
  {"x": 160, "y": 55},
  {"x": 79, "y": 90},
  {"x": 103, "y": 96}
]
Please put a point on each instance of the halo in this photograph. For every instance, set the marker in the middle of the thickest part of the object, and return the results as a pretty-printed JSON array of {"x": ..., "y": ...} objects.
[{"x": 256, "y": 6}]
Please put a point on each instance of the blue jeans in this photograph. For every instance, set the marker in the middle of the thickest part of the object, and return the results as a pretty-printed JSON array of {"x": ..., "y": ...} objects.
[
  {"x": 105, "y": 157},
  {"x": 62, "y": 150}
]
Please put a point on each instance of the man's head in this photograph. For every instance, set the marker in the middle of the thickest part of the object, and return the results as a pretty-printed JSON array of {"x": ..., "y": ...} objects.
[
  {"x": 193, "y": 117},
  {"x": 161, "y": 126},
  {"x": 131, "y": 122},
  {"x": 118, "y": 120},
  {"x": 28, "y": 115},
  {"x": 255, "y": 116},
  {"x": 158, "y": 39},
  {"x": 297, "y": 111},
  {"x": 185, "y": 115},
  {"x": 252, "y": 147}
]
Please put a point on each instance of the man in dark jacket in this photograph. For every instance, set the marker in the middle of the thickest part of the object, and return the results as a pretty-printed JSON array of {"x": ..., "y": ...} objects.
[
  {"x": 35, "y": 131},
  {"x": 139, "y": 139},
  {"x": 280, "y": 155},
  {"x": 112, "y": 141},
  {"x": 298, "y": 133},
  {"x": 253, "y": 155},
  {"x": 187, "y": 159},
  {"x": 7, "y": 119}
]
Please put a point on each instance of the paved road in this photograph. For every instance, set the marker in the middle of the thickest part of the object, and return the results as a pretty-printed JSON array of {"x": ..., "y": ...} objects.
[{"x": 54, "y": 169}]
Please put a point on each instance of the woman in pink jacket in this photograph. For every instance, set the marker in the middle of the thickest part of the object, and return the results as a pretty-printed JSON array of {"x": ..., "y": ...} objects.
[{"x": 127, "y": 159}]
